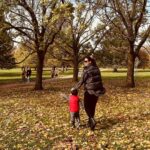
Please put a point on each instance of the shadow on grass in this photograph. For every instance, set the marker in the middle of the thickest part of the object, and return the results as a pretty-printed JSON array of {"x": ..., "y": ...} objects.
[{"x": 107, "y": 123}]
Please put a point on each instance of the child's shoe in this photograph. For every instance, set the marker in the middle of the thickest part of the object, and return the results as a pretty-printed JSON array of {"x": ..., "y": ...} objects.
[{"x": 72, "y": 125}]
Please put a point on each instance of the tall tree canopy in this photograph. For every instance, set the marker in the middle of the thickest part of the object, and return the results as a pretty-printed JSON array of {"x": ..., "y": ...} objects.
[
  {"x": 36, "y": 23},
  {"x": 135, "y": 27},
  {"x": 77, "y": 39},
  {"x": 6, "y": 45}
]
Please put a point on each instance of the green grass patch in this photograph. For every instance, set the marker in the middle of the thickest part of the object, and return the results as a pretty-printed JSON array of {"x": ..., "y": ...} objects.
[
  {"x": 122, "y": 73},
  {"x": 14, "y": 75}
]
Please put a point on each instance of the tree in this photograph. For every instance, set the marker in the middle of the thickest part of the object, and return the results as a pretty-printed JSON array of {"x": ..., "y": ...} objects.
[
  {"x": 133, "y": 18},
  {"x": 113, "y": 50},
  {"x": 110, "y": 58},
  {"x": 24, "y": 57},
  {"x": 144, "y": 58},
  {"x": 76, "y": 38},
  {"x": 6, "y": 46},
  {"x": 36, "y": 23}
]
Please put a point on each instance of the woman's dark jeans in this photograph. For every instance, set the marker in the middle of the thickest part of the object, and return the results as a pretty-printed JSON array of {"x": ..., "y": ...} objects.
[{"x": 90, "y": 104}]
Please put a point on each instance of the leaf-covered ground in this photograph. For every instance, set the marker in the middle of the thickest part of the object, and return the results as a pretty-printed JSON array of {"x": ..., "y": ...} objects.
[{"x": 39, "y": 120}]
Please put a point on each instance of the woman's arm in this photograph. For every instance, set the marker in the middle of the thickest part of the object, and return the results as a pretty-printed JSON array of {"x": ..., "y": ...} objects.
[{"x": 82, "y": 80}]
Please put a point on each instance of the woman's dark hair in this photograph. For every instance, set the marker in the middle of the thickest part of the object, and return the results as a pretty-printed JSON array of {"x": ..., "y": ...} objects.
[{"x": 92, "y": 60}]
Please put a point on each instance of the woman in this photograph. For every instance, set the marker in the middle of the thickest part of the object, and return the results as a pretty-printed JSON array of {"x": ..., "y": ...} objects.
[{"x": 93, "y": 88}]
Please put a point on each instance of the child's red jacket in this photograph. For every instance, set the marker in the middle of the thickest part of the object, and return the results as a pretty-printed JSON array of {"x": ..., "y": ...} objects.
[{"x": 74, "y": 103}]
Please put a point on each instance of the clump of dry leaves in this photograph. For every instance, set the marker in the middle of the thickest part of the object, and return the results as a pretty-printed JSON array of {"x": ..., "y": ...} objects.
[{"x": 39, "y": 120}]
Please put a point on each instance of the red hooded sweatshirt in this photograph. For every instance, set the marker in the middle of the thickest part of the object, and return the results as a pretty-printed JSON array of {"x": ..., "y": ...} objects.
[{"x": 74, "y": 103}]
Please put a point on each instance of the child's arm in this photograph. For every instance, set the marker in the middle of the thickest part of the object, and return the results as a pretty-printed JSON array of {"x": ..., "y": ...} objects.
[{"x": 64, "y": 96}]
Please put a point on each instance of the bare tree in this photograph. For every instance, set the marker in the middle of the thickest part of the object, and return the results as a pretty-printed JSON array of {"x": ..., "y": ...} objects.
[
  {"x": 78, "y": 34},
  {"x": 135, "y": 27},
  {"x": 36, "y": 23}
]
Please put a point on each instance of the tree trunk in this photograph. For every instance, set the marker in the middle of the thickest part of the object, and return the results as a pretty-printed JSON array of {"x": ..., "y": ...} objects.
[
  {"x": 38, "y": 82},
  {"x": 75, "y": 70},
  {"x": 130, "y": 70},
  {"x": 115, "y": 69}
]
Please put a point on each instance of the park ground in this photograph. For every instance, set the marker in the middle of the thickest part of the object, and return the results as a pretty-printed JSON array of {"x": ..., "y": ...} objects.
[{"x": 39, "y": 120}]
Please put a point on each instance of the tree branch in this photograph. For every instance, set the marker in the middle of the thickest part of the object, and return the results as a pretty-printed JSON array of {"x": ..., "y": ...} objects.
[
  {"x": 19, "y": 29},
  {"x": 139, "y": 21},
  {"x": 24, "y": 58},
  {"x": 147, "y": 33}
]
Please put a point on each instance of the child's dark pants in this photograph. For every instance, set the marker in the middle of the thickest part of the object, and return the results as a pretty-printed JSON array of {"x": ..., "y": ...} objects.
[{"x": 75, "y": 117}]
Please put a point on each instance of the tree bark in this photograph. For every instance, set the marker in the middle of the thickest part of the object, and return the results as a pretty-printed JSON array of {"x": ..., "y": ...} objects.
[
  {"x": 75, "y": 69},
  {"x": 38, "y": 82},
  {"x": 130, "y": 70},
  {"x": 115, "y": 69}
]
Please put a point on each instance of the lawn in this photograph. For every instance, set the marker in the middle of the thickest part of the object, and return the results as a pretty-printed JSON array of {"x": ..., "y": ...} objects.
[
  {"x": 39, "y": 120},
  {"x": 14, "y": 75},
  {"x": 108, "y": 73}
]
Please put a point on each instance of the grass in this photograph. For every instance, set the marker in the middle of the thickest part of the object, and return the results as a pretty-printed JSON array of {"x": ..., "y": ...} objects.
[
  {"x": 39, "y": 120},
  {"x": 14, "y": 75},
  {"x": 108, "y": 73},
  {"x": 123, "y": 74}
]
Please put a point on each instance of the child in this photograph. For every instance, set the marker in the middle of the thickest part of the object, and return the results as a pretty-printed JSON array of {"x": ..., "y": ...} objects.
[{"x": 74, "y": 108}]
